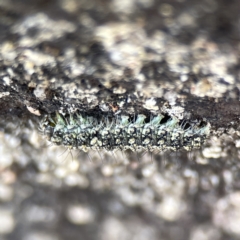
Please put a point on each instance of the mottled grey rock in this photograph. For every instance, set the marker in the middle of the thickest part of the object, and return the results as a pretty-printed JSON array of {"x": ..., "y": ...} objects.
[{"x": 108, "y": 59}]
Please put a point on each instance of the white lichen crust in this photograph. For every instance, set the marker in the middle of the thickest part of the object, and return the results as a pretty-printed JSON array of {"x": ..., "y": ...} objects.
[{"x": 80, "y": 131}]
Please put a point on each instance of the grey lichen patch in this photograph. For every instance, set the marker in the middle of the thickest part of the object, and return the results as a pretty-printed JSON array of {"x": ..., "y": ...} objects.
[
  {"x": 47, "y": 29},
  {"x": 3, "y": 94}
]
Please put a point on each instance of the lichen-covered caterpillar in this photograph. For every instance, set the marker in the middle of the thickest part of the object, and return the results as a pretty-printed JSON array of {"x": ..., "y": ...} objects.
[{"x": 84, "y": 132}]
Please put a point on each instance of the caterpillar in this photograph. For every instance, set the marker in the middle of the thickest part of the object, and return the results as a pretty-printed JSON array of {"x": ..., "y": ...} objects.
[{"x": 85, "y": 132}]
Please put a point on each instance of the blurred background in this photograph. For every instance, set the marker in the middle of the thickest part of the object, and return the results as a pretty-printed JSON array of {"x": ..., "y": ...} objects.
[{"x": 150, "y": 48}]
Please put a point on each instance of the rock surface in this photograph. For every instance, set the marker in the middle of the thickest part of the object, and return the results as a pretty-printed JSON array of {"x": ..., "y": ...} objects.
[{"x": 110, "y": 58}]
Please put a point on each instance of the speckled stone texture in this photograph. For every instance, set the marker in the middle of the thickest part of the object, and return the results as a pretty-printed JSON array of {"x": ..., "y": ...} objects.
[{"x": 111, "y": 58}]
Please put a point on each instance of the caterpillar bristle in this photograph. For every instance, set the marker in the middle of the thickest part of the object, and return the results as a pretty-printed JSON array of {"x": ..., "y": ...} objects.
[{"x": 155, "y": 133}]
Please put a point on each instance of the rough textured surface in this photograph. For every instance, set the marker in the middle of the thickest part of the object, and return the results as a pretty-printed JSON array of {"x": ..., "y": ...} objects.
[{"x": 108, "y": 58}]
